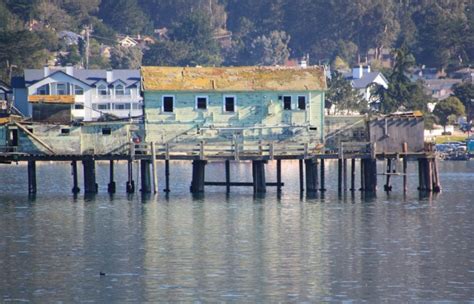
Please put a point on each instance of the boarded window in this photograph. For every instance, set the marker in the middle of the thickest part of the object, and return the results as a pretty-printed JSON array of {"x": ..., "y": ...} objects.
[
  {"x": 286, "y": 102},
  {"x": 301, "y": 102},
  {"x": 229, "y": 104},
  {"x": 168, "y": 103},
  {"x": 106, "y": 131},
  {"x": 65, "y": 131},
  {"x": 201, "y": 103}
]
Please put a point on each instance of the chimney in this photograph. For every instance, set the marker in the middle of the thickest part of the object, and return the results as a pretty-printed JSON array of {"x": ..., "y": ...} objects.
[
  {"x": 70, "y": 70},
  {"x": 357, "y": 72},
  {"x": 367, "y": 69},
  {"x": 45, "y": 71},
  {"x": 109, "y": 76}
]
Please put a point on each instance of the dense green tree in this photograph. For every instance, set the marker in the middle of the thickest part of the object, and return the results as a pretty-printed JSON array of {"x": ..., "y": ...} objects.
[
  {"x": 341, "y": 96},
  {"x": 448, "y": 110},
  {"x": 125, "y": 16},
  {"x": 167, "y": 53},
  {"x": 465, "y": 93},
  {"x": 269, "y": 50},
  {"x": 73, "y": 57},
  {"x": 20, "y": 50},
  {"x": 125, "y": 58}
]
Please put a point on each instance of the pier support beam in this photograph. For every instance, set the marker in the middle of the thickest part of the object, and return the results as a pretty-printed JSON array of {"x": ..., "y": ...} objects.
[
  {"x": 111, "y": 186},
  {"x": 130, "y": 186},
  {"x": 353, "y": 161},
  {"x": 145, "y": 176},
  {"x": 31, "y": 177},
  {"x": 167, "y": 176},
  {"x": 323, "y": 176},
  {"x": 427, "y": 175},
  {"x": 258, "y": 170},
  {"x": 199, "y": 169},
  {"x": 227, "y": 176},
  {"x": 388, "y": 187},
  {"x": 278, "y": 173},
  {"x": 311, "y": 168},
  {"x": 90, "y": 185},
  {"x": 369, "y": 175},
  {"x": 339, "y": 174},
  {"x": 301, "y": 176},
  {"x": 75, "y": 184}
]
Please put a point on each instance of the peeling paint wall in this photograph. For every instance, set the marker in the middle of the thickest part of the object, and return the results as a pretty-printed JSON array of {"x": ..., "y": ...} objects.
[{"x": 252, "y": 109}]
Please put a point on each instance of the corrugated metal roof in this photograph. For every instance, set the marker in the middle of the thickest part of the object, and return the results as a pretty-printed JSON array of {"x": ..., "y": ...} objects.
[{"x": 233, "y": 79}]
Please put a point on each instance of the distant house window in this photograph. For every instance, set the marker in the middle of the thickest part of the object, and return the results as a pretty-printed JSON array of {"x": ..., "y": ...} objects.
[
  {"x": 43, "y": 90},
  {"x": 106, "y": 131},
  {"x": 61, "y": 89},
  {"x": 122, "y": 106},
  {"x": 301, "y": 102},
  {"x": 286, "y": 102},
  {"x": 136, "y": 106},
  {"x": 102, "y": 90},
  {"x": 78, "y": 90},
  {"x": 168, "y": 103},
  {"x": 229, "y": 103},
  {"x": 103, "y": 106},
  {"x": 78, "y": 106},
  {"x": 201, "y": 102},
  {"x": 119, "y": 90}
]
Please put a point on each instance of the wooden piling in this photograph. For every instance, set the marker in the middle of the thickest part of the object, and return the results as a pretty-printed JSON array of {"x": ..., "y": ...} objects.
[
  {"x": 387, "y": 187},
  {"x": 278, "y": 175},
  {"x": 405, "y": 167},
  {"x": 90, "y": 185},
  {"x": 197, "y": 183},
  {"x": 369, "y": 175},
  {"x": 145, "y": 176},
  {"x": 130, "y": 186},
  {"x": 344, "y": 174},
  {"x": 437, "y": 183},
  {"x": 153, "y": 168},
  {"x": 352, "y": 174},
  {"x": 339, "y": 175},
  {"x": 111, "y": 186},
  {"x": 167, "y": 176},
  {"x": 75, "y": 184},
  {"x": 323, "y": 176},
  {"x": 258, "y": 170},
  {"x": 31, "y": 177},
  {"x": 311, "y": 175},
  {"x": 301, "y": 175},
  {"x": 227, "y": 176}
]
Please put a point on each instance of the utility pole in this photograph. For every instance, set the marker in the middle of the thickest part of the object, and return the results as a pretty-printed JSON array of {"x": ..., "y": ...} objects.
[{"x": 87, "y": 28}]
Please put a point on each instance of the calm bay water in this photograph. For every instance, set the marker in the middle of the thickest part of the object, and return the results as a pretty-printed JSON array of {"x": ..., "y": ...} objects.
[{"x": 234, "y": 248}]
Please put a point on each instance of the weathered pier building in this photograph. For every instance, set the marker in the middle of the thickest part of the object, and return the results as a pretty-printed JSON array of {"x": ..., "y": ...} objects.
[{"x": 252, "y": 114}]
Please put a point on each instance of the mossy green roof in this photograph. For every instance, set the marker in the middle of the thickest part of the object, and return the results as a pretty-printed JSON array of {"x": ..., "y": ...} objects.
[{"x": 233, "y": 79}]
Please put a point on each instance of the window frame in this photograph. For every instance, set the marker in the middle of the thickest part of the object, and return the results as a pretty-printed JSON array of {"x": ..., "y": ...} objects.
[
  {"x": 283, "y": 102},
  {"x": 47, "y": 90},
  {"x": 122, "y": 90},
  {"x": 305, "y": 102},
  {"x": 224, "y": 106},
  {"x": 99, "y": 90},
  {"x": 65, "y": 89},
  {"x": 196, "y": 104},
  {"x": 78, "y": 89},
  {"x": 163, "y": 103}
]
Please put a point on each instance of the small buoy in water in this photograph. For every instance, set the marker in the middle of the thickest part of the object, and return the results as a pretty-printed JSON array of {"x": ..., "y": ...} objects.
[{"x": 102, "y": 273}]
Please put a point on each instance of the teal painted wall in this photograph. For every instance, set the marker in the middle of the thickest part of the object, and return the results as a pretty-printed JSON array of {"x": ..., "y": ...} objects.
[{"x": 253, "y": 109}]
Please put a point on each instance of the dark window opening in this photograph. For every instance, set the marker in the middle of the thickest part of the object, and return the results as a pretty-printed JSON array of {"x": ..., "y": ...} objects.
[
  {"x": 168, "y": 103},
  {"x": 229, "y": 105},
  {"x": 29, "y": 129},
  {"x": 65, "y": 131},
  {"x": 302, "y": 102},
  {"x": 106, "y": 131},
  {"x": 286, "y": 102},
  {"x": 78, "y": 107},
  {"x": 201, "y": 103}
]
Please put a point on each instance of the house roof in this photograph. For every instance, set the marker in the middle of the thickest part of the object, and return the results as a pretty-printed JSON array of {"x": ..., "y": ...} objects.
[
  {"x": 90, "y": 77},
  {"x": 366, "y": 79},
  {"x": 233, "y": 79}
]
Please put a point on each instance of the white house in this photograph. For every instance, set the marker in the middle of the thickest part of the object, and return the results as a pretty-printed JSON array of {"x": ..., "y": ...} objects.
[
  {"x": 96, "y": 92},
  {"x": 363, "y": 79}
]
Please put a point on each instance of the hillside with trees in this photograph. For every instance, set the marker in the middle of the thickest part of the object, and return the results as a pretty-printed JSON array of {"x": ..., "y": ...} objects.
[{"x": 438, "y": 33}]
